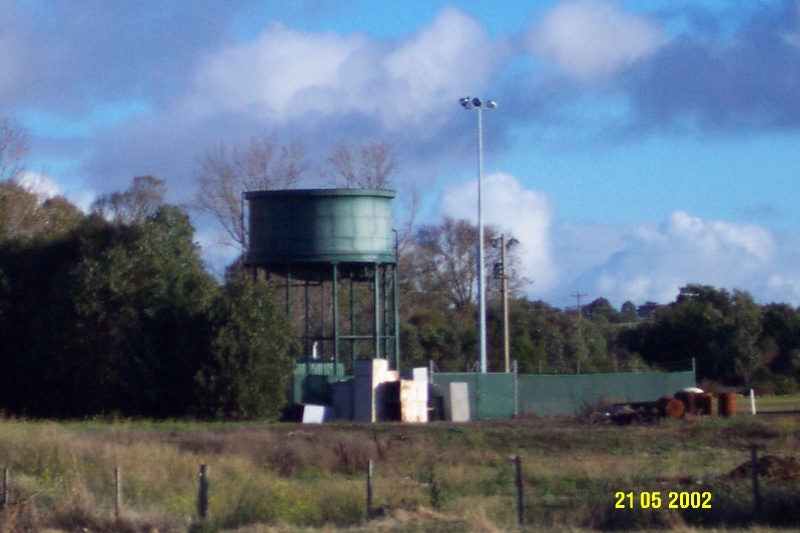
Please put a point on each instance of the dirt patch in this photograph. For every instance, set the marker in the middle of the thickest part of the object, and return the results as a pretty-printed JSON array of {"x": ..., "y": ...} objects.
[{"x": 771, "y": 467}]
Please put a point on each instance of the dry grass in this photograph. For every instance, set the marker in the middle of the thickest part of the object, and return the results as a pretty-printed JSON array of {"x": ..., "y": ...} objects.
[{"x": 438, "y": 477}]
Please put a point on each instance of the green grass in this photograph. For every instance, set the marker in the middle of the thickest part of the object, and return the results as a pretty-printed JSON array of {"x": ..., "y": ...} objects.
[
  {"x": 435, "y": 477},
  {"x": 771, "y": 404}
]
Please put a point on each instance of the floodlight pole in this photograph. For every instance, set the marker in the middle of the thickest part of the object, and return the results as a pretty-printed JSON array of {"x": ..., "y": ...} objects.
[
  {"x": 476, "y": 103},
  {"x": 481, "y": 266}
]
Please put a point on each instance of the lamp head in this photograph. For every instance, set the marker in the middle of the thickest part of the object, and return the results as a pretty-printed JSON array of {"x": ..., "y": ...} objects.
[{"x": 471, "y": 103}]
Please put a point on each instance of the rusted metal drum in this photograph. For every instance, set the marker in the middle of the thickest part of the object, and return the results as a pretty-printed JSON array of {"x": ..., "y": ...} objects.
[
  {"x": 675, "y": 408},
  {"x": 727, "y": 403},
  {"x": 662, "y": 403}
]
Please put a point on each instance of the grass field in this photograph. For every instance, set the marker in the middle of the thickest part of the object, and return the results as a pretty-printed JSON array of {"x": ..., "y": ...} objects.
[
  {"x": 772, "y": 404},
  {"x": 435, "y": 477}
]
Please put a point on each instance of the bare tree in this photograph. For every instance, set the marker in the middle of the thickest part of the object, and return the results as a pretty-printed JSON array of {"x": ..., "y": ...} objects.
[
  {"x": 223, "y": 174},
  {"x": 370, "y": 166},
  {"x": 444, "y": 260},
  {"x": 14, "y": 141},
  {"x": 136, "y": 204}
]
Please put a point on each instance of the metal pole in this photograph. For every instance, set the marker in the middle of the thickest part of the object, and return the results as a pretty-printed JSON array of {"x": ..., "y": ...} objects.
[
  {"x": 308, "y": 329},
  {"x": 117, "y": 491},
  {"x": 396, "y": 301},
  {"x": 369, "y": 489},
  {"x": 481, "y": 266},
  {"x": 506, "y": 335},
  {"x": 477, "y": 103},
  {"x": 520, "y": 493},
  {"x": 202, "y": 495},
  {"x": 288, "y": 293},
  {"x": 352, "y": 324},
  {"x": 335, "y": 319},
  {"x": 385, "y": 303},
  {"x": 377, "y": 329}
]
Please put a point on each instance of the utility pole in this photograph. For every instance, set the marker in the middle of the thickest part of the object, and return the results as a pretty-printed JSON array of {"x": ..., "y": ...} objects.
[
  {"x": 506, "y": 347},
  {"x": 578, "y": 296},
  {"x": 500, "y": 272}
]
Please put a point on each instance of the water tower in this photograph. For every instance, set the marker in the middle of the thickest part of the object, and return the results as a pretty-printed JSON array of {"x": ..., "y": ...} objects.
[{"x": 332, "y": 254}]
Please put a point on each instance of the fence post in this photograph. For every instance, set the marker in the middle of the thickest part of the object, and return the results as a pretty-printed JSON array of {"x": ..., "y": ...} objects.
[
  {"x": 117, "y": 491},
  {"x": 6, "y": 488},
  {"x": 202, "y": 496},
  {"x": 369, "y": 490},
  {"x": 520, "y": 494}
]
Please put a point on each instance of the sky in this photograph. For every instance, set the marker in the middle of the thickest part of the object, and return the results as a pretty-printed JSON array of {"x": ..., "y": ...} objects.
[{"x": 636, "y": 147}]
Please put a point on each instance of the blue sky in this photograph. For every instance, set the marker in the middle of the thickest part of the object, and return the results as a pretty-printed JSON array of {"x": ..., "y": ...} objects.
[{"x": 637, "y": 147}]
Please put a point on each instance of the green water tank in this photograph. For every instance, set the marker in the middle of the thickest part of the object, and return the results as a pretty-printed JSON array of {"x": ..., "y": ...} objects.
[{"x": 319, "y": 226}]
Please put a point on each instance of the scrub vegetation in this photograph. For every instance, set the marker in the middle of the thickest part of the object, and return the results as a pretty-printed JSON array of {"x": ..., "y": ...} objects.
[{"x": 436, "y": 477}]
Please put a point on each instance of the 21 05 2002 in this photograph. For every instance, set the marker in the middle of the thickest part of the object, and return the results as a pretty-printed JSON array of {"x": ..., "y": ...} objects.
[{"x": 655, "y": 500}]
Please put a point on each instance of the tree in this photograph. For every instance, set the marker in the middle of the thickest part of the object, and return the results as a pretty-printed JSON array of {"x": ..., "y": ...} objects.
[
  {"x": 141, "y": 294},
  {"x": 370, "y": 166},
  {"x": 251, "y": 354},
  {"x": 780, "y": 338},
  {"x": 601, "y": 309},
  {"x": 628, "y": 312},
  {"x": 120, "y": 316},
  {"x": 444, "y": 261},
  {"x": 25, "y": 215},
  {"x": 223, "y": 174},
  {"x": 135, "y": 205},
  {"x": 718, "y": 329},
  {"x": 14, "y": 141}
]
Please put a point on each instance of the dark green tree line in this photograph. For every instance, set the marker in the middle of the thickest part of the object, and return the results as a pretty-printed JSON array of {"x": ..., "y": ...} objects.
[{"x": 117, "y": 315}]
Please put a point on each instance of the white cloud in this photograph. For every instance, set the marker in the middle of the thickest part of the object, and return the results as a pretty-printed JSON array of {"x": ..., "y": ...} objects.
[
  {"x": 507, "y": 205},
  {"x": 591, "y": 39},
  {"x": 82, "y": 199},
  {"x": 638, "y": 262},
  {"x": 42, "y": 186},
  {"x": 269, "y": 73},
  {"x": 656, "y": 262},
  {"x": 441, "y": 62},
  {"x": 45, "y": 187},
  {"x": 285, "y": 74}
]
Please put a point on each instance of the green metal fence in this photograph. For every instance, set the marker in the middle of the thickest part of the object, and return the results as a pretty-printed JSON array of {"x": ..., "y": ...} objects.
[{"x": 494, "y": 396}]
